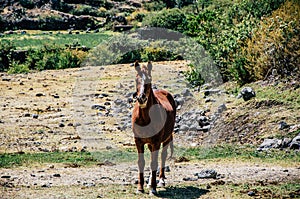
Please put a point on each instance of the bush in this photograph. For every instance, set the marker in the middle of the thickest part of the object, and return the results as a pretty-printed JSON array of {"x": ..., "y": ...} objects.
[
  {"x": 27, "y": 4},
  {"x": 18, "y": 68},
  {"x": 49, "y": 57},
  {"x": 85, "y": 10},
  {"x": 6, "y": 49},
  {"x": 173, "y": 19},
  {"x": 223, "y": 30},
  {"x": 275, "y": 45}
]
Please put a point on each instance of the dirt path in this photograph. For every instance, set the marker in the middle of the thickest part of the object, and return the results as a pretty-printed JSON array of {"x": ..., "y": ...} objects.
[{"x": 71, "y": 110}]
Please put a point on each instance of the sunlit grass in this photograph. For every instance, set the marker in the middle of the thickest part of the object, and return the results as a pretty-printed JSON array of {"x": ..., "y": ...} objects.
[{"x": 221, "y": 152}]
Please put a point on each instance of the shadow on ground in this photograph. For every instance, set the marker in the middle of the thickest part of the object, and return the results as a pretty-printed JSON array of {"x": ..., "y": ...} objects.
[{"x": 188, "y": 192}]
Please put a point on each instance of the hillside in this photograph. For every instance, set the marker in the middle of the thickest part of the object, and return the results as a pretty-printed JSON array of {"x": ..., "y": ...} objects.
[{"x": 64, "y": 15}]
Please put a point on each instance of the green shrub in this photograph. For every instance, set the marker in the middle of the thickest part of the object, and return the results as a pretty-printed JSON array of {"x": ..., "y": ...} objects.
[
  {"x": 18, "y": 68},
  {"x": 85, "y": 10},
  {"x": 223, "y": 30},
  {"x": 275, "y": 44},
  {"x": 27, "y": 4},
  {"x": 154, "y": 5},
  {"x": 173, "y": 19},
  {"x": 6, "y": 48}
]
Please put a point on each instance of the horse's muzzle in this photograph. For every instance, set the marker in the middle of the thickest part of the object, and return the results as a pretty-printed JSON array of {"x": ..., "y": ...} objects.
[{"x": 142, "y": 100}]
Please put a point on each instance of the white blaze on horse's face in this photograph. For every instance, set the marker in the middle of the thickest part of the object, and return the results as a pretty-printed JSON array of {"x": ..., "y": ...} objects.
[{"x": 143, "y": 90}]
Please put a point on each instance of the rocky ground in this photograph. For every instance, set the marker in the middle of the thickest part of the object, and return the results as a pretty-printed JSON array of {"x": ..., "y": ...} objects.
[{"x": 89, "y": 109}]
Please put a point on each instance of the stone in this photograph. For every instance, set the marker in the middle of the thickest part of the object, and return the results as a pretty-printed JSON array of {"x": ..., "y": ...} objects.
[
  {"x": 251, "y": 193},
  {"x": 295, "y": 144},
  {"x": 118, "y": 102},
  {"x": 211, "y": 91},
  {"x": 98, "y": 107},
  {"x": 6, "y": 176},
  {"x": 186, "y": 92},
  {"x": 39, "y": 94},
  {"x": 270, "y": 143},
  {"x": 183, "y": 128},
  {"x": 208, "y": 173},
  {"x": 222, "y": 108},
  {"x": 57, "y": 175},
  {"x": 35, "y": 116},
  {"x": 189, "y": 179},
  {"x": 247, "y": 93},
  {"x": 283, "y": 125}
]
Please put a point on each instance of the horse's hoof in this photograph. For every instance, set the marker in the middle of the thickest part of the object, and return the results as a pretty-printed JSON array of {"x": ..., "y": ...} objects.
[
  {"x": 152, "y": 192},
  {"x": 140, "y": 191},
  {"x": 161, "y": 183}
]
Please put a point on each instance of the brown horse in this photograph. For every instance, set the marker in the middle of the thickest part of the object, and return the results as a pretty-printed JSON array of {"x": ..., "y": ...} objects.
[{"x": 153, "y": 120}]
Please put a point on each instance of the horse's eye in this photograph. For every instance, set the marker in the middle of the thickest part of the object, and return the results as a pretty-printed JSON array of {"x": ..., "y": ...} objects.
[{"x": 134, "y": 95}]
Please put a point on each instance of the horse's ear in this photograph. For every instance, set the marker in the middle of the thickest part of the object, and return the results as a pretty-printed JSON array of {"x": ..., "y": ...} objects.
[
  {"x": 149, "y": 66},
  {"x": 137, "y": 66}
]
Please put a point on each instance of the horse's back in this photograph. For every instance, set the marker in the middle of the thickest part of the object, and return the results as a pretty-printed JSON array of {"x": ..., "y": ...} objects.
[{"x": 166, "y": 100}]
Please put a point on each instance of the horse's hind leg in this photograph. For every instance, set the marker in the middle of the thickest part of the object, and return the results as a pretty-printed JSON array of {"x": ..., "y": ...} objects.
[{"x": 164, "y": 154}]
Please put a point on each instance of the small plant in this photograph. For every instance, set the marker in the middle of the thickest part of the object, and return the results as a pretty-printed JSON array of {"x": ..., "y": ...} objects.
[{"x": 18, "y": 68}]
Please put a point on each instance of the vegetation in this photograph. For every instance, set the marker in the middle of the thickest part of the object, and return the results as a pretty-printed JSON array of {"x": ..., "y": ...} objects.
[
  {"x": 233, "y": 31},
  {"x": 63, "y": 51},
  {"x": 219, "y": 152},
  {"x": 247, "y": 40}
]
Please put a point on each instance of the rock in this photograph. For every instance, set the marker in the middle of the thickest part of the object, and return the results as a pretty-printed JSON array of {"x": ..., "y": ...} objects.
[
  {"x": 189, "y": 179},
  {"x": 40, "y": 94},
  {"x": 27, "y": 115},
  {"x": 222, "y": 108},
  {"x": 6, "y": 79},
  {"x": 107, "y": 103},
  {"x": 46, "y": 185},
  {"x": 186, "y": 92},
  {"x": 183, "y": 128},
  {"x": 211, "y": 91},
  {"x": 56, "y": 96},
  {"x": 286, "y": 142},
  {"x": 247, "y": 93},
  {"x": 6, "y": 176},
  {"x": 61, "y": 125},
  {"x": 251, "y": 193},
  {"x": 179, "y": 101},
  {"x": 208, "y": 173},
  {"x": 57, "y": 175},
  {"x": 283, "y": 125},
  {"x": 98, "y": 107},
  {"x": 206, "y": 128},
  {"x": 295, "y": 144},
  {"x": 35, "y": 116},
  {"x": 270, "y": 143}
]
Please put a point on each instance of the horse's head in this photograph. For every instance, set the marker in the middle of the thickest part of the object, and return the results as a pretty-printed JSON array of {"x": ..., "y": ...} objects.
[{"x": 143, "y": 83}]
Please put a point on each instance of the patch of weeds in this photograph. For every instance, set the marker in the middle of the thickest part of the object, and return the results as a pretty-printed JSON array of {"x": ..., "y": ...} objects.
[
  {"x": 240, "y": 152},
  {"x": 68, "y": 158}
]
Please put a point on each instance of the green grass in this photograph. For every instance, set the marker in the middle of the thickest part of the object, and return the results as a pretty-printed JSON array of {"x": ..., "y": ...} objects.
[
  {"x": 225, "y": 152},
  {"x": 37, "y": 40},
  {"x": 246, "y": 153},
  {"x": 77, "y": 158}
]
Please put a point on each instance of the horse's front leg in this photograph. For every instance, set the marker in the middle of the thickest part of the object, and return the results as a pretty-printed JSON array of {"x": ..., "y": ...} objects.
[
  {"x": 141, "y": 165},
  {"x": 154, "y": 165}
]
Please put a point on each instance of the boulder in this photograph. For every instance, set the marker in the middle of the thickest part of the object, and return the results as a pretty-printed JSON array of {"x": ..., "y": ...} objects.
[{"x": 247, "y": 93}]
